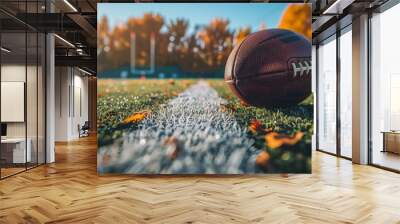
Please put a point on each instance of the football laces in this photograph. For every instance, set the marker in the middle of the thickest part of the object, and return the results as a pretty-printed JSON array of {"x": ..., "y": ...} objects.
[{"x": 301, "y": 68}]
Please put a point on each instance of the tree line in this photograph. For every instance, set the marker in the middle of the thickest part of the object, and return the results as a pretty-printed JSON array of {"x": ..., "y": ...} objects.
[{"x": 205, "y": 49}]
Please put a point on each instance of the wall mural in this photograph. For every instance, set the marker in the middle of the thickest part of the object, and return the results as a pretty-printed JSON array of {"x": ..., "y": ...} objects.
[{"x": 194, "y": 88}]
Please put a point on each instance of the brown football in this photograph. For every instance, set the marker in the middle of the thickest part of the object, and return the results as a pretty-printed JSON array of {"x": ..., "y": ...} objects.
[{"x": 270, "y": 68}]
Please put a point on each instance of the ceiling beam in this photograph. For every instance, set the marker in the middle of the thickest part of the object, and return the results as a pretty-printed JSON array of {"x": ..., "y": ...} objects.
[
  {"x": 84, "y": 24},
  {"x": 337, "y": 7},
  {"x": 77, "y": 61},
  {"x": 49, "y": 22}
]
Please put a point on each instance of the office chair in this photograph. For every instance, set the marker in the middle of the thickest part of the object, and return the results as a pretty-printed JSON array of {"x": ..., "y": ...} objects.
[{"x": 84, "y": 130}]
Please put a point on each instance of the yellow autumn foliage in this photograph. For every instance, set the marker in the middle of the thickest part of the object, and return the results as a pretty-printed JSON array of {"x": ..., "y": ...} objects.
[{"x": 297, "y": 18}]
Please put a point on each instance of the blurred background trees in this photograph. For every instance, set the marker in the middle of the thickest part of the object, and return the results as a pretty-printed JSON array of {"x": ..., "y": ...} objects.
[
  {"x": 204, "y": 49},
  {"x": 297, "y": 17},
  {"x": 216, "y": 42}
]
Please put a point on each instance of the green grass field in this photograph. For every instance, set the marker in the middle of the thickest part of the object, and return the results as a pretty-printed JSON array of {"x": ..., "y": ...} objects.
[
  {"x": 286, "y": 121},
  {"x": 283, "y": 134},
  {"x": 117, "y": 99}
]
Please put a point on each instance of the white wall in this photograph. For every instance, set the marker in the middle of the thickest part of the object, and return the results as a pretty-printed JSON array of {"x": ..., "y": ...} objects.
[
  {"x": 79, "y": 117},
  {"x": 70, "y": 83},
  {"x": 11, "y": 73},
  {"x": 62, "y": 82},
  {"x": 33, "y": 126},
  {"x": 16, "y": 73}
]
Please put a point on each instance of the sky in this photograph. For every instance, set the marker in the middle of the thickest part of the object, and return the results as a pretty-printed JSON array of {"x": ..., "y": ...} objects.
[{"x": 239, "y": 14}]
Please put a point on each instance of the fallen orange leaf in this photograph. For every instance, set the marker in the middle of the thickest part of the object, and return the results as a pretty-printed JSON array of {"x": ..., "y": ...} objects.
[
  {"x": 275, "y": 140},
  {"x": 226, "y": 107},
  {"x": 171, "y": 140},
  {"x": 294, "y": 139},
  {"x": 262, "y": 159},
  {"x": 173, "y": 149},
  {"x": 136, "y": 117},
  {"x": 106, "y": 159},
  {"x": 244, "y": 104},
  {"x": 255, "y": 126}
]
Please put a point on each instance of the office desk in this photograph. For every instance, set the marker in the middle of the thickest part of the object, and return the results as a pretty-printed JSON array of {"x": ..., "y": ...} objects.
[
  {"x": 13, "y": 150},
  {"x": 391, "y": 141}
]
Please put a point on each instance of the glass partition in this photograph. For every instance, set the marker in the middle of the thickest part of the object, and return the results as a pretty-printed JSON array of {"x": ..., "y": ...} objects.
[
  {"x": 327, "y": 95},
  {"x": 13, "y": 95},
  {"x": 22, "y": 91}
]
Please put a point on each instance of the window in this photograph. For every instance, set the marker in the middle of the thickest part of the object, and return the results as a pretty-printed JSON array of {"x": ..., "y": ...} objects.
[
  {"x": 385, "y": 89},
  {"x": 346, "y": 92},
  {"x": 327, "y": 96}
]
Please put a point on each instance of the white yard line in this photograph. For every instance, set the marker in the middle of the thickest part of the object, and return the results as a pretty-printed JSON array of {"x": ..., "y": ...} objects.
[{"x": 187, "y": 135}]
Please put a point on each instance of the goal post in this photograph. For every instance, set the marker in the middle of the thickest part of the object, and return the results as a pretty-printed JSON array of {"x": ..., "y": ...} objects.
[{"x": 133, "y": 69}]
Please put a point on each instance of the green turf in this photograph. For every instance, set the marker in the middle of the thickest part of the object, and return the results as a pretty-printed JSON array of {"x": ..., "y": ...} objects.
[
  {"x": 285, "y": 120},
  {"x": 117, "y": 99}
]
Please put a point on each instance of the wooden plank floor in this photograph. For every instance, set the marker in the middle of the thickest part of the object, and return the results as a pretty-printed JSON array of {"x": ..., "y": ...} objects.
[{"x": 70, "y": 191}]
